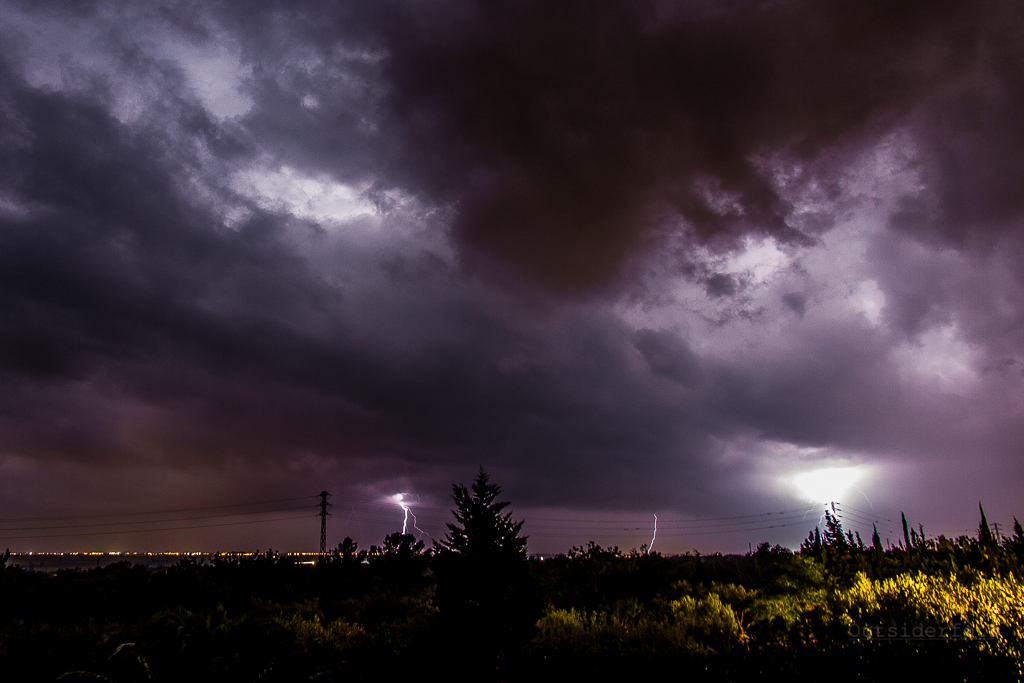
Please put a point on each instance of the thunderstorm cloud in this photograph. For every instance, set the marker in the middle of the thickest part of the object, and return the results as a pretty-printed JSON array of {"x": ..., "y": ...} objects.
[{"x": 631, "y": 257}]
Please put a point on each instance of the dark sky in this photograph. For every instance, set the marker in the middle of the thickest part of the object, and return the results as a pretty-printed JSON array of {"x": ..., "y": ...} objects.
[{"x": 633, "y": 258}]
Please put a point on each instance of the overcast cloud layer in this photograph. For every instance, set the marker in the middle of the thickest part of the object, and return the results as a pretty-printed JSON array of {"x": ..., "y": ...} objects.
[{"x": 631, "y": 257}]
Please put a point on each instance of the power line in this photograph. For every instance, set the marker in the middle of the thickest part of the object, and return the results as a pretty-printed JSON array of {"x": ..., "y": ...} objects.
[
  {"x": 674, "y": 526},
  {"x": 864, "y": 520},
  {"x": 427, "y": 509},
  {"x": 154, "y": 512},
  {"x": 172, "y": 528},
  {"x": 383, "y": 511},
  {"x": 570, "y": 532},
  {"x": 151, "y": 521},
  {"x": 761, "y": 515},
  {"x": 868, "y": 513}
]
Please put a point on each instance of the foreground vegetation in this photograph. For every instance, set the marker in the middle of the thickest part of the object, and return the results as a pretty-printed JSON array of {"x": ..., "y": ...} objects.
[{"x": 474, "y": 607}]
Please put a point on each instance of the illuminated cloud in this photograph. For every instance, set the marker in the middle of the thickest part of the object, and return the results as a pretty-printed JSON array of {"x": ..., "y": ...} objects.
[
  {"x": 827, "y": 485},
  {"x": 640, "y": 259}
]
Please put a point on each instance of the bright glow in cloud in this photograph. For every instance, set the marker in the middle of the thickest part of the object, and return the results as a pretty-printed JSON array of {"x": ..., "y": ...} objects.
[
  {"x": 870, "y": 301},
  {"x": 216, "y": 73},
  {"x": 759, "y": 260},
  {"x": 827, "y": 484},
  {"x": 304, "y": 196},
  {"x": 941, "y": 357}
]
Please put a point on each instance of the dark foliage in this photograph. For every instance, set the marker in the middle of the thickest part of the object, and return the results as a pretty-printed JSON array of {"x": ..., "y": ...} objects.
[
  {"x": 481, "y": 531},
  {"x": 594, "y": 612},
  {"x": 485, "y": 592}
]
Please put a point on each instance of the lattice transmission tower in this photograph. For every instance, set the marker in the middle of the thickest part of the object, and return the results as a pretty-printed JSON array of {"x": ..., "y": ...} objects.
[{"x": 323, "y": 523}]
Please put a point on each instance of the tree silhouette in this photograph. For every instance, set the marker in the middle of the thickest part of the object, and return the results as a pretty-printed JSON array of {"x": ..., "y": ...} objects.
[
  {"x": 347, "y": 552},
  {"x": 401, "y": 545},
  {"x": 482, "y": 531},
  {"x": 987, "y": 542},
  {"x": 984, "y": 532},
  {"x": 485, "y": 593}
]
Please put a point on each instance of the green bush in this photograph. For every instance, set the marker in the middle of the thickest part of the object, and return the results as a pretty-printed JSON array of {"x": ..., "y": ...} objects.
[
  {"x": 987, "y": 611},
  {"x": 704, "y": 625}
]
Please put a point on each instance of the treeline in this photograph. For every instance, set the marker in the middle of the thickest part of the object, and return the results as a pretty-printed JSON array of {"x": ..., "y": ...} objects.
[
  {"x": 474, "y": 606},
  {"x": 844, "y": 554}
]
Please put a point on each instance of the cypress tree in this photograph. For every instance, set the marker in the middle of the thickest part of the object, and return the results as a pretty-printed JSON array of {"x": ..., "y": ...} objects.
[
  {"x": 876, "y": 540},
  {"x": 987, "y": 542},
  {"x": 984, "y": 532}
]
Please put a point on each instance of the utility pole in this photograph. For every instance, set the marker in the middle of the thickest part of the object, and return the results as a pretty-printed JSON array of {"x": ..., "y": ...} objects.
[
  {"x": 999, "y": 536},
  {"x": 323, "y": 524}
]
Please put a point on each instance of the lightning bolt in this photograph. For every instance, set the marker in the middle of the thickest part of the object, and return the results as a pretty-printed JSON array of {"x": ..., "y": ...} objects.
[
  {"x": 865, "y": 495},
  {"x": 359, "y": 522},
  {"x": 654, "y": 536},
  {"x": 399, "y": 498},
  {"x": 810, "y": 510}
]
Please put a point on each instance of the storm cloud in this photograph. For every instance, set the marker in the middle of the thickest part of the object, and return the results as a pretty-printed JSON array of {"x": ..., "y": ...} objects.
[{"x": 630, "y": 257}]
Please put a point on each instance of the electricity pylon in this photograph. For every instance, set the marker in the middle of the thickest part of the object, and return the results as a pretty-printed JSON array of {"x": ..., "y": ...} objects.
[{"x": 323, "y": 524}]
